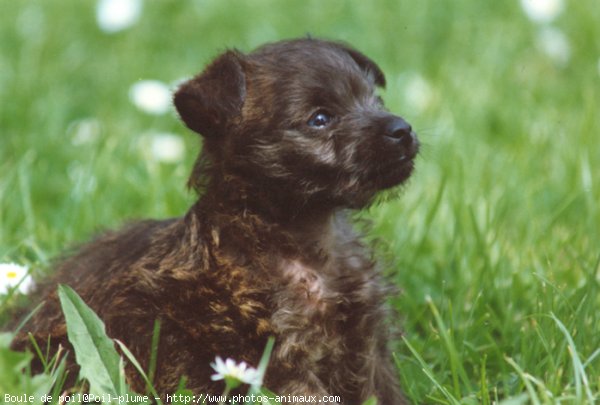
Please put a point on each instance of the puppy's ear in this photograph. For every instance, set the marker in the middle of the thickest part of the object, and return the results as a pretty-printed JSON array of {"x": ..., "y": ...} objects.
[
  {"x": 367, "y": 65},
  {"x": 210, "y": 100}
]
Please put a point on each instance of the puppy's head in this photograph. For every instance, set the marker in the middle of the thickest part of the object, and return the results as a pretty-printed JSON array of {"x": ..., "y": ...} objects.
[{"x": 302, "y": 119}]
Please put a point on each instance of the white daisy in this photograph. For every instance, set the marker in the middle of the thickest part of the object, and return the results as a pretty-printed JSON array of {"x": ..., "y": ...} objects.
[
  {"x": 542, "y": 11},
  {"x": 419, "y": 93},
  {"x": 555, "y": 44},
  {"x": 117, "y": 15},
  {"x": 151, "y": 96},
  {"x": 13, "y": 275},
  {"x": 234, "y": 373},
  {"x": 84, "y": 131},
  {"x": 166, "y": 147}
]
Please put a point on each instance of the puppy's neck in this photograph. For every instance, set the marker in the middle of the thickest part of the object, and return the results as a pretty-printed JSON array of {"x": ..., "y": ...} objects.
[
  {"x": 313, "y": 230},
  {"x": 267, "y": 219}
]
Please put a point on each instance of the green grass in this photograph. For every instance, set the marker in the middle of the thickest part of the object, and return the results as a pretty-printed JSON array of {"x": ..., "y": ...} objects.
[{"x": 495, "y": 242}]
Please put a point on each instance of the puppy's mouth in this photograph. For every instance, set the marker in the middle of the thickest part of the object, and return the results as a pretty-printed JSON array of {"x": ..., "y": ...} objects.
[
  {"x": 397, "y": 168},
  {"x": 390, "y": 174}
]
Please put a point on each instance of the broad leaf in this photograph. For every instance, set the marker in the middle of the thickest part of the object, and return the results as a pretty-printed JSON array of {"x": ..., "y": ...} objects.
[{"x": 94, "y": 350}]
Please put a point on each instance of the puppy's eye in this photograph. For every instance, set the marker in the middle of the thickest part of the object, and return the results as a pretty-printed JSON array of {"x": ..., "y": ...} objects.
[{"x": 320, "y": 119}]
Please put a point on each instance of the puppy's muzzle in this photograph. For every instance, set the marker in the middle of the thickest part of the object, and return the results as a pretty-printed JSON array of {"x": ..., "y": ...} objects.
[{"x": 400, "y": 133}]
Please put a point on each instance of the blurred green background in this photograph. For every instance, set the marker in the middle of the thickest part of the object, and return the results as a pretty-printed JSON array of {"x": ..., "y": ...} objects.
[{"x": 498, "y": 229}]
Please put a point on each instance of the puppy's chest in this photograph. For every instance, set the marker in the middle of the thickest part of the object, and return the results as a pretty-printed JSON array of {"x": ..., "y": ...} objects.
[
  {"x": 318, "y": 309},
  {"x": 307, "y": 287},
  {"x": 321, "y": 288}
]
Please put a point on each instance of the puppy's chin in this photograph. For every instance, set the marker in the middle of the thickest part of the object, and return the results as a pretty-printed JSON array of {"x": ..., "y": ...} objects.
[
  {"x": 400, "y": 176},
  {"x": 392, "y": 174}
]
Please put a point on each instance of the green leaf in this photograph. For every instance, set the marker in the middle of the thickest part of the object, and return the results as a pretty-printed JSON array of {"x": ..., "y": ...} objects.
[
  {"x": 11, "y": 366},
  {"x": 5, "y": 339},
  {"x": 15, "y": 378},
  {"x": 94, "y": 350}
]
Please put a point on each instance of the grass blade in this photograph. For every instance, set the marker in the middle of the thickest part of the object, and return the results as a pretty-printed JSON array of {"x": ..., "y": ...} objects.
[
  {"x": 458, "y": 371},
  {"x": 578, "y": 367},
  {"x": 533, "y": 396},
  {"x": 140, "y": 370},
  {"x": 429, "y": 373},
  {"x": 154, "y": 351},
  {"x": 264, "y": 360}
]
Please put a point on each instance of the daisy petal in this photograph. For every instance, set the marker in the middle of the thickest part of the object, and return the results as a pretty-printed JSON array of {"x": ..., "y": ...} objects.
[{"x": 14, "y": 275}]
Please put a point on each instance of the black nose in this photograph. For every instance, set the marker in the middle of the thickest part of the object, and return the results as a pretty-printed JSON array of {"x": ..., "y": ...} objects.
[{"x": 400, "y": 132}]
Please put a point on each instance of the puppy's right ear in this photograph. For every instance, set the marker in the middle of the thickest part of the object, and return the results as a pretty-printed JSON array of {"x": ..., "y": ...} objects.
[
  {"x": 366, "y": 64},
  {"x": 210, "y": 100}
]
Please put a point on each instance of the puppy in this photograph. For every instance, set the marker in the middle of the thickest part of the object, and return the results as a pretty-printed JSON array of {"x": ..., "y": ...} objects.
[{"x": 294, "y": 136}]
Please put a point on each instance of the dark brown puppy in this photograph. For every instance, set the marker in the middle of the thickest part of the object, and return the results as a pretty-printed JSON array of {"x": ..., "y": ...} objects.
[{"x": 293, "y": 134}]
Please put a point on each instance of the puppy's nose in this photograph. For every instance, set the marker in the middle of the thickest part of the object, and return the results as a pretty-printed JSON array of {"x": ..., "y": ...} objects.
[
  {"x": 398, "y": 129},
  {"x": 400, "y": 132}
]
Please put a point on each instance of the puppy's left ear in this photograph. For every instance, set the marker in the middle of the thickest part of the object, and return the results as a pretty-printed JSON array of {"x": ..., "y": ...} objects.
[
  {"x": 209, "y": 101},
  {"x": 367, "y": 65}
]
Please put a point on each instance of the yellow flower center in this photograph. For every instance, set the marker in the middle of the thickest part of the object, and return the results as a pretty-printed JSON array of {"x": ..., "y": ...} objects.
[{"x": 11, "y": 274}]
